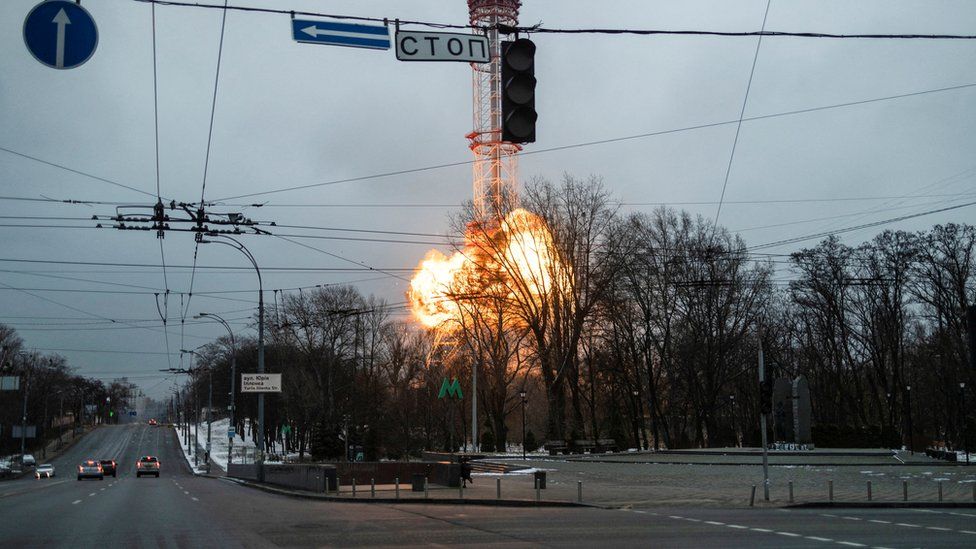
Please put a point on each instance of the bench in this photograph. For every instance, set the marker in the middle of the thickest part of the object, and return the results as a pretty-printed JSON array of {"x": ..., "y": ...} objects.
[
  {"x": 555, "y": 447},
  {"x": 584, "y": 445},
  {"x": 606, "y": 445}
]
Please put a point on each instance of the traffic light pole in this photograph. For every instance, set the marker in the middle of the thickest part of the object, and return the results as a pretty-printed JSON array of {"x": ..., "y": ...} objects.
[{"x": 762, "y": 426}]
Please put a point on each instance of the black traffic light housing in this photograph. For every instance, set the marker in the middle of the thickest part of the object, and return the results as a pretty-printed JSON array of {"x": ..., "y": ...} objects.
[
  {"x": 518, "y": 91},
  {"x": 765, "y": 396}
]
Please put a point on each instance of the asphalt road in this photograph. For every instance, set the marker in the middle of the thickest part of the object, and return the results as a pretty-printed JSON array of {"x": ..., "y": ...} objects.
[{"x": 180, "y": 510}]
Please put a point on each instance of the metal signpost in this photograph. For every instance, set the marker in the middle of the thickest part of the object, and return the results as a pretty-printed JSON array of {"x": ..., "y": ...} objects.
[
  {"x": 331, "y": 33},
  {"x": 441, "y": 46},
  {"x": 60, "y": 34}
]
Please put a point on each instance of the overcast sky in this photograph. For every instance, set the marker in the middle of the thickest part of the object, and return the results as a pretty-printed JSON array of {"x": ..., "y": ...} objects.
[{"x": 292, "y": 114}]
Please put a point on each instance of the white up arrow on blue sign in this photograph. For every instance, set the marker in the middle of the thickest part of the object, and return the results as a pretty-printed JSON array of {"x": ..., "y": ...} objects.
[
  {"x": 341, "y": 34},
  {"x": 60, "y": 34}
]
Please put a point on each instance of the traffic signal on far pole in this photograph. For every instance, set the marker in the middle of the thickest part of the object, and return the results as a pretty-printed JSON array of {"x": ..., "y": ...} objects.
[{"x": 518, "y": 91}]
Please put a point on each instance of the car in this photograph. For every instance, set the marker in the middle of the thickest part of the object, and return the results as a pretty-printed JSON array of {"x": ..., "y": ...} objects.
[
  {"x": 44, "y": 470},
  {"x": 147, "y": 465},
  {"x": 109, "y": 467},
  {"x": 153, "y": 422},
  {"x": 90, "y": 469},
  {"x": 27, "y": 460}
]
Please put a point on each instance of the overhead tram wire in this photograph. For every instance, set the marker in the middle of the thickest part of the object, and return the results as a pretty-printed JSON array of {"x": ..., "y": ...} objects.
[
  {"x": 544, "y": 30},
  {"x": 738, "y": 126},
  {"x": 206, "y": 168},
  {"x": 78, "y": 172},
  {"x": 337, "y": 256},
  {"x": 164, "y": 312},
  {"x": 608, "y": 140}
]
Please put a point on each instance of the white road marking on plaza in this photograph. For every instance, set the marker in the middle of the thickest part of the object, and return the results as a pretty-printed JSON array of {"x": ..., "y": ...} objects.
[
  {"x": 715, "y": 523},
  {"x": 692, "y": 519},
  {"x": 790, "y": 534},
  {"x": 761, "y": 530},
  {"x": 939, "y": 528},
  {"x": 194, "y": 499},
  {"x": 850, "y": 518},
  {"x": 879, "y": 521},
  {"x": 737, "y": 526},
  {"x": 101, "y": 489},
  {"x": 907, "y": 525},
  {"x": 966, "y": 532},
  {"x": 816, "y": 538},
  {"x": 185, "y": 492},
  {"x": 76, "y": 502},
  {"x": 851, "y": 544},
  {"x": 91, "y": 494}
]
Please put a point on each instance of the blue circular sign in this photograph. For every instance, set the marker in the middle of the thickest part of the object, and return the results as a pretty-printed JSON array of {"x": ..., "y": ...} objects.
[{"x": 60, "y": 34}]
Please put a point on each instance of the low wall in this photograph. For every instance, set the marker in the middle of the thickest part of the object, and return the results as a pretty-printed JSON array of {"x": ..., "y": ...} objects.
[
  {"x": 313, "y": 478},
  {"x": 385, "y": 472}
]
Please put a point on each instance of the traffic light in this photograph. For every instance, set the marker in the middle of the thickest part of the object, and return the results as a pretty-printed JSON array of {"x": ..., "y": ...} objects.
[
  {"x": 518, "y": 91},
  {"x": 765, "y": 396}
]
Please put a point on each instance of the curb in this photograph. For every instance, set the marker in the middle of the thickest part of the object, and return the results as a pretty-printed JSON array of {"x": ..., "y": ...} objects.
[
  {"x": 388, "y": 500},
  {"x": 881, "y": 505},
  {"x": 828, "y": 464}
]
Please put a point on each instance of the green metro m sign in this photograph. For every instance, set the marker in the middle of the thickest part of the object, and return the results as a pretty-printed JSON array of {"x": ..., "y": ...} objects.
[{"x": 450, "y": 389}]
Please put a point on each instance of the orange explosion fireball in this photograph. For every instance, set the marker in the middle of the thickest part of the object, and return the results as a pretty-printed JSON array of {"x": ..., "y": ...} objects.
[{"x": 517, "y": 259}]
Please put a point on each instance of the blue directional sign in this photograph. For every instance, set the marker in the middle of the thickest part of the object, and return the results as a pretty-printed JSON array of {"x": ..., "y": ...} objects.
[
  {"x": 376, "y": 37},
  {"x": 132, "y": 412},
  {"x": 60, "y": 34}
]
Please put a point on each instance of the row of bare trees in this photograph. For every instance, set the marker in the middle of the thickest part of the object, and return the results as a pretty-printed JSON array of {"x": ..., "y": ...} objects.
[{"x": 641, "y": 327}]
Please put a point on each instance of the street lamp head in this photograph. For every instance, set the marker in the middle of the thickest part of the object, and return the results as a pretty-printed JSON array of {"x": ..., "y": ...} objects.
[
  {"x": 962, "y": 384},
  {"x": 522, "y": 394},
  {"x": 909, "y": 387}
]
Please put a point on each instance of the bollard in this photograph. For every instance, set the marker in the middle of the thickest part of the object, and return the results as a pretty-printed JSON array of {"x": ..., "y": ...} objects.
[
  {"x": 372, "y": 487},
  {"x": 426, "y": 492},
  {"x": 830, "y": 490},
  {"x": 396, "y": 481},
  {"x": 904, "y": 489},
  {"x": 974, "y": 492},
  {"x": 579, "y": 491},
  {"x": 869, "y": 490},
  {"x": 791, "y": 491},
  {"x": 940, "y": 491},
  {"x": 461, "y": 490},
  {"x": 353, "y": 486},
  {"x": 752, "y": 496},
  {"x": 338, "y": 483},
  {"x": 538, "y": 492},
  {"x": 498, "y": 488}
]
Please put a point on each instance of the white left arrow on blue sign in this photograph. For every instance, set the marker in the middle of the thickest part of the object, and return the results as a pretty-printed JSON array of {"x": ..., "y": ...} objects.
[{"x": 341, "y": 34}]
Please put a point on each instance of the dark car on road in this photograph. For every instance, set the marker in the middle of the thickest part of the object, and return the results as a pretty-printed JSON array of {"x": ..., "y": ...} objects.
[
  {"x": 109, "y": 467},
  {"x": 147, "y": 465},
  {"x": 90, "y": 469}
]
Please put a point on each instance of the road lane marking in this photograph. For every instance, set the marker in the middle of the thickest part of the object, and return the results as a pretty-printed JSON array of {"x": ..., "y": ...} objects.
[
  {"x": 761, "y": 530},
  {"x": 194, "y": 499},
  {"x": 76, "y": 502},
  {"x": 850, "y": 518},
  {"x": 966, "y": 532},
  {"x": 877, "y": 521},
  {"x": 714, "y": 523},
  {"x": 185, "y": 492},
  {"x": 737, "y": 526},
  {"x": 91, "y": 494},
  {"x": 790, "y": 534},
  {"x": 817, "y": 538},
  {"x": 101, "y": 489},
  {"x": 939, "y": 528},
  {"x": 907, "y": 525},
  {"x": 851, "y": 544}
]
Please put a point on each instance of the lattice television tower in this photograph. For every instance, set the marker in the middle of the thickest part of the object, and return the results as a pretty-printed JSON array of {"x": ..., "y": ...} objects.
[{"x": 495, "y": 166}]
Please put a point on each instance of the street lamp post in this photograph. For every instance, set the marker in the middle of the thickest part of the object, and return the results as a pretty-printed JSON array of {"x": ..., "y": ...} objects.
[
  {"x": 233, "y": 380},
  {"x": 241, "y": 248},
  {"x": 911, "y": 431},
  {"x": 209, "y": 408},
  {"x": 735, "y": 434},
  {"x": 23, "y": 416},
  {"x": 522, "y": 395},
  {"x": 965, "y": 432}
]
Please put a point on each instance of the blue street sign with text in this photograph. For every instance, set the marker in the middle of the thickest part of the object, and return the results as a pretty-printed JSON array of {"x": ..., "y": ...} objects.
[
  {"x": 60, "y": 34},
  {"x": 341, "y": 34}
]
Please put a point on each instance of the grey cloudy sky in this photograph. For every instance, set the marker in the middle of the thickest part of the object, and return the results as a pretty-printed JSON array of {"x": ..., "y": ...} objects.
[{"x": 293, "y": 114}]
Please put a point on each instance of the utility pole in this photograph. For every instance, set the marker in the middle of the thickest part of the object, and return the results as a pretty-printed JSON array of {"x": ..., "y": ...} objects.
[
  {"x": 233, "y": 382},
  {"x": 762, "y": 424},
  {"x": 23, "y": 417}
]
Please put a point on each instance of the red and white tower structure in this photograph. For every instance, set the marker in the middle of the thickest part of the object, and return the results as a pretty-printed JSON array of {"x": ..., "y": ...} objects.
[{"x": 496, "y": 164}]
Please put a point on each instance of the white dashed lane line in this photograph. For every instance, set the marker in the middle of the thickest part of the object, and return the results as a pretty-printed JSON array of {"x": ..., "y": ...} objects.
[
  {"x": 76, "y": 502},
  {"x": 194, "y": 499},
  {"x": 768, "y": 531}
]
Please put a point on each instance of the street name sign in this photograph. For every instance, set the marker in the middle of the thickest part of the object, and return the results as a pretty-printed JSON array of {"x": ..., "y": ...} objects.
[
  {"x": 60, "y": 34},
  {"x": 260, "y": 383},
  {"x": 332, "y": 33},
  {"x": 441, "y": 46}
]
